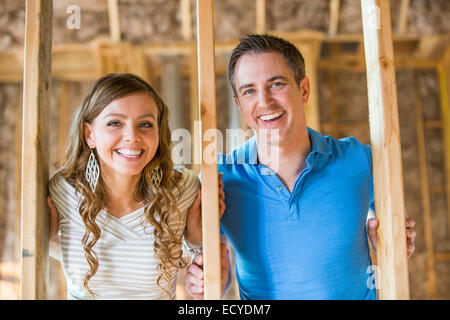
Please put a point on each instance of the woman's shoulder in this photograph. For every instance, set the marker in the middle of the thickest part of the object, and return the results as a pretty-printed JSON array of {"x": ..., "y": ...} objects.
[
  {"x": 187, "y": 180},
  {"x": 58, "y": 184}
]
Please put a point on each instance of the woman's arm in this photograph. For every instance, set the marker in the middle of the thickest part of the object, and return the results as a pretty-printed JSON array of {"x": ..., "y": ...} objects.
[
  {"x": 54, "y": 238},
  {"x": 193, "y": 232}
]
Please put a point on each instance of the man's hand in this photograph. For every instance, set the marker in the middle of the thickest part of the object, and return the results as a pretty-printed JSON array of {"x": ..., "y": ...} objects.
[
  {"x": 410, "y": 234},
  {"x": 194, "y": 216},
  {"x": 53, "y": 229},
  {"x": 194, "y": 276}
]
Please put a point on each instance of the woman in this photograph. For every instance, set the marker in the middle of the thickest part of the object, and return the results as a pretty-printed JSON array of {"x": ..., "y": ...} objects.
[{"x": 123, "y": 209}]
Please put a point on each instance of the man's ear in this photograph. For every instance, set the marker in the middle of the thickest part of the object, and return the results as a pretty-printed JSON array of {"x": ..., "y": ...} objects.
[
  {"x": 88, "y": 135},
  {"x": 305, "y": 89},
  {"x": 236, "y": 102}
]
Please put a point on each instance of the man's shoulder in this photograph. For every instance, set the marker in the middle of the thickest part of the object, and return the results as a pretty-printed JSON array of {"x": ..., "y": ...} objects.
[
  {"x": 346, "y": 146},
  {"x": 243, "y": 154},
  {"x": 350, "y": 150}
]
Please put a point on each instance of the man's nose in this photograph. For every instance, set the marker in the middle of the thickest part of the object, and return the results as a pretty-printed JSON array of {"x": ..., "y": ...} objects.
[{"x": 264, "y": 98}]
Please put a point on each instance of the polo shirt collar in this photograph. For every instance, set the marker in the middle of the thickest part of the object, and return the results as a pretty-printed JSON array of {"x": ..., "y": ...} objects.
[{"x": 318, "y": 143}]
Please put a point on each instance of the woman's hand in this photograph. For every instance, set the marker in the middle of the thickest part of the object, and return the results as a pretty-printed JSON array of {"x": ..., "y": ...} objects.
[{"x": 194, "y": 216}]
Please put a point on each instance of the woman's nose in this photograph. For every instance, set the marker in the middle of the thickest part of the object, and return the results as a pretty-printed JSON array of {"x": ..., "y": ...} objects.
[{"x": 131, "y": 135}]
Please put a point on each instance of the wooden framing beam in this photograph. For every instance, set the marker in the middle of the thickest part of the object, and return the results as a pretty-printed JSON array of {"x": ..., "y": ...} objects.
[
  {"x": 386, "y": 150},
  {"x": 425, "y": 192},
  {"x": 114, "y": 20},
  {"x": 260, "y": 14},
  {"x": 210, "y": 183},
  {"x": 186, "y": 19},
  {"x": 37, "y": 57},
  {"x": 310, "y": 52},
  {"x": 402, "y": 26},
  {"x": 171, "y": 89},
  {"x": 332, "y": 104},
  {"x": 86, "y": 66},
  {"x": 444, "y": 85},
  {"x": 334, "y": 17},
  {"x": 195, "y": 130}
]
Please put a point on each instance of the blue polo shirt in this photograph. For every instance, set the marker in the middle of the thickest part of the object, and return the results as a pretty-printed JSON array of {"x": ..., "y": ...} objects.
[{"x": 308, "y": 244}]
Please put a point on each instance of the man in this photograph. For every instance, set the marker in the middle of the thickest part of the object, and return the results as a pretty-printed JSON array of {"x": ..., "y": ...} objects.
[{"x": 297, "y": 222}]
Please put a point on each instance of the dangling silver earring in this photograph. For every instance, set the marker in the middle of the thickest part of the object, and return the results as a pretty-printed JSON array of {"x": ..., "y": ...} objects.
[
  {"x": 156, "y": 177},
  {"x": 92, "y": 171}
]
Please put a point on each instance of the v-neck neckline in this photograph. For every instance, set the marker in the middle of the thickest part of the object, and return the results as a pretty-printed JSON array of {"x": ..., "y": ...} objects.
[{"x": 126, "y": 217}]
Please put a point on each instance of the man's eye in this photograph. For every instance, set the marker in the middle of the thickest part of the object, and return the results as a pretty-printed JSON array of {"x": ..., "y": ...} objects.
[
  {"x": 113, "y": 123},
  {"x": 248, "y": 91},
  {"x": 277, "y": 84}
]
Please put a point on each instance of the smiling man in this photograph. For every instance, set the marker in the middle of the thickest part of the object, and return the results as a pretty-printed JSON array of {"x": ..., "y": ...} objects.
[{"x": 297, "y": 222}]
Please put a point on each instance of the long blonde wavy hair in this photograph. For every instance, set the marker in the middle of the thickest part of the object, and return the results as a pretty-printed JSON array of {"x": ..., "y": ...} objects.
[{"x": 160, "y": 203}]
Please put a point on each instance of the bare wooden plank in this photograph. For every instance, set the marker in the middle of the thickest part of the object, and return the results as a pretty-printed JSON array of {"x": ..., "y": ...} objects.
[
  {"x": 310, "y": 52},
  {"x": 332, "y": 104},
  {"x": 438, "y": 189},
  {"x": 210, "y": 186},
  {"x": 63, "y": 118},
  {"x": 193, "y": 82},
  {"x": 186, "y": 19},
  {"x": 18, "y": 172},
  {"x": 386, "y": 149},
  {"x": 403, "y": 17},
  {"x": 38, "y": 40},
  {"x": 260, "y": 14},
  {"x": 334, "y": 17},
  {"x": 444, "y": 85},
  {"x": 425, "y": 192},
  {"x": 442, "y": 256},
  {"x": 114, "y": 20},
  {"x": 429, "y": 45}
]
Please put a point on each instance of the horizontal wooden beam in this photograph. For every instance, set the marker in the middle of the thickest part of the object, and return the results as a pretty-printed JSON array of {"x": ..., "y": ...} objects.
[{"x": 78, "y": 62}]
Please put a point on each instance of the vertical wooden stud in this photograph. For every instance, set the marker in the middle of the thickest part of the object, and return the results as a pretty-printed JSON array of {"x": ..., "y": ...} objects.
[
  {"x": 386, "y": 150},
  {"x": 210, "y": 186},
  {"x": 403, "y": 17},
  {"x": 310, "y": 52},
  {"x": 444, "y": 84},
  {"x": 36, "y": 80},
  {"x": 260, "y": 11},
  {"x": 195, "y": 124},
  {"x": 334, "y": 17},
  {"x": 114, "y": 20},
  {"x": 425, "y": 192}
]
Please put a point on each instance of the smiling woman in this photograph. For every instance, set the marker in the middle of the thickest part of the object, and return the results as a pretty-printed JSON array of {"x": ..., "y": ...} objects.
[{"x": 121, "y": 237}]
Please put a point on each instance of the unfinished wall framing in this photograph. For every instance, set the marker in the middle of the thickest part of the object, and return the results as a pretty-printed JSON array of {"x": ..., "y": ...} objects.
[{"x": 326, "y": 52}]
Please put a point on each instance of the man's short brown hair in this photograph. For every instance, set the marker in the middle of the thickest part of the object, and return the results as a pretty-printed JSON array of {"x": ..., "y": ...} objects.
[{"x": 261, "y": 43}]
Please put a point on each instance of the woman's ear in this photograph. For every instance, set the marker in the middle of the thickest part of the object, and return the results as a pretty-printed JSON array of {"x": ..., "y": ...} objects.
[{"x": 88, "y": 135}]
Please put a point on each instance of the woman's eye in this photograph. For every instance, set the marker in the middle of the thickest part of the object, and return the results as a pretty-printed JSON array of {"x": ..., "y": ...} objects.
[
  {"x": 113, "y": 123},
  {"x": 146, "y": 124}
]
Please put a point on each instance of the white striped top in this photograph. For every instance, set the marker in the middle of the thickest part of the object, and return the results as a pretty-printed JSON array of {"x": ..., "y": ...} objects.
[{"x": 125, "y": 253}]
